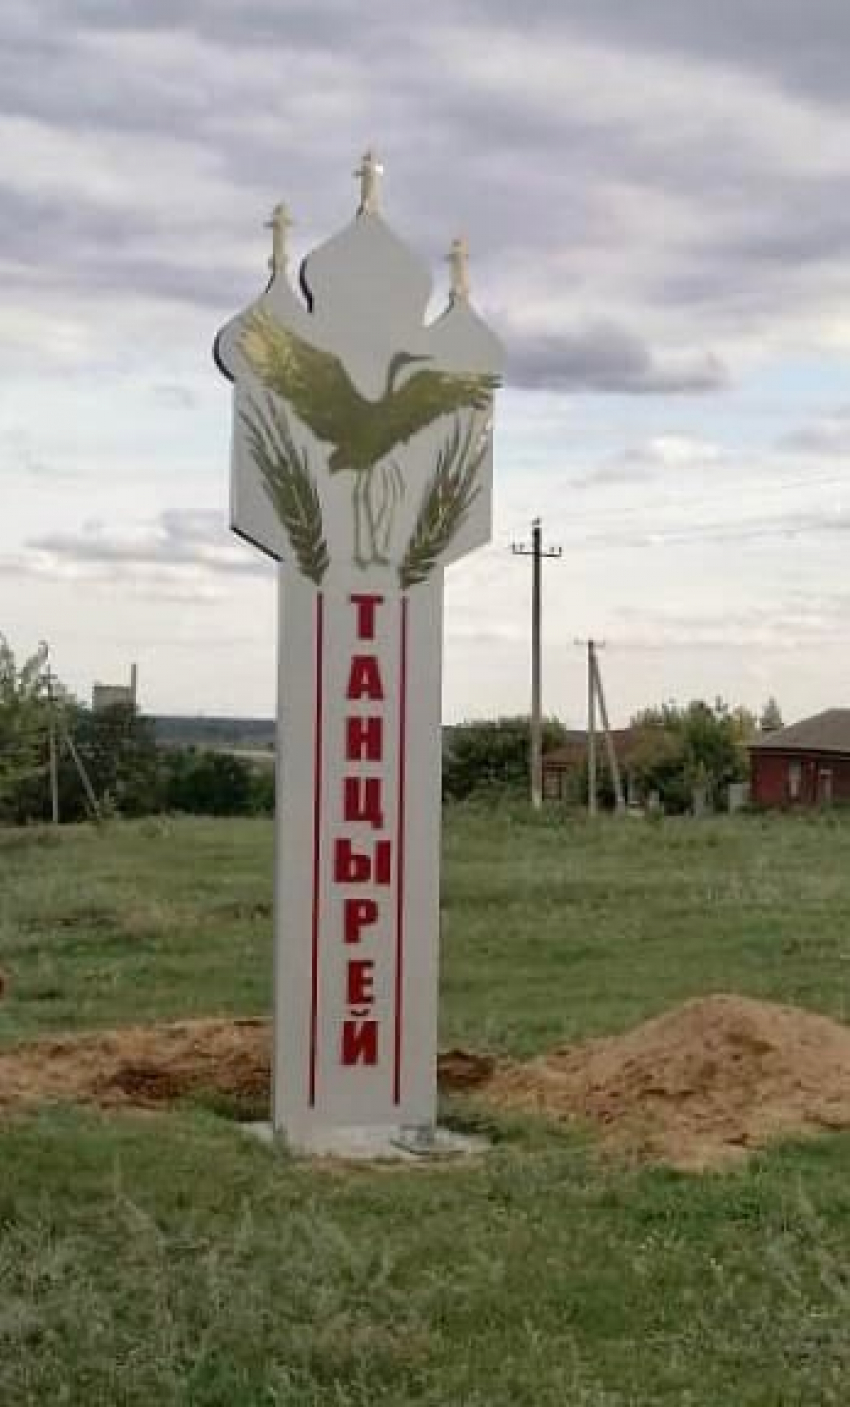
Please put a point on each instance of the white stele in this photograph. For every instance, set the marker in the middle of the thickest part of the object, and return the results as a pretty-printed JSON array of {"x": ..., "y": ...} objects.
[{"x": 364, "y": 476}]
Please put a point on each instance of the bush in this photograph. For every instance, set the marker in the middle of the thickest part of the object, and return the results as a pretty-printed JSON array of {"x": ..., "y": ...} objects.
[
  {"x": 217, "y": 784},
  {"x": 493, "y": 754},
  {"x": 680, "y": 749},
  {"x": 127, "y": 773}
]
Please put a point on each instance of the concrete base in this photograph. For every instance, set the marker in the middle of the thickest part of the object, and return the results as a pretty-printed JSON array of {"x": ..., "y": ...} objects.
[{"x": 414, "y": 1145}]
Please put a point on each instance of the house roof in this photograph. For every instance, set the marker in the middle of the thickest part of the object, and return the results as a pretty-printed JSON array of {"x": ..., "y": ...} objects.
[
  {"x": 571, "y": 752},
  {"x": 826, "y": 732}
]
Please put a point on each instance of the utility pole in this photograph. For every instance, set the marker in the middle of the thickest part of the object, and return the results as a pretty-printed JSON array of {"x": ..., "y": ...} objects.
[
  {"x": 620, "y": 800},
  {"x": 536, "y": 552},
  {"x": 83, "y": 775},
  {"x": 596, "y": 695},
  {"x": 59, "y": 733},
  {"x": 591, "y": 728},
  {"x": 54, "y": 753}
]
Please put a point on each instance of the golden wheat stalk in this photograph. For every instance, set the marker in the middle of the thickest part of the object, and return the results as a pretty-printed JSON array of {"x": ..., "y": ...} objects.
[
  {"x": 445, "y": 503},
  {"x": 290, "y": 486}
]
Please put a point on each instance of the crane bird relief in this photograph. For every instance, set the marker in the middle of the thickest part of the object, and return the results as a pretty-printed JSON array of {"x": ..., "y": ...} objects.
[{"x": 303, "y": 383}]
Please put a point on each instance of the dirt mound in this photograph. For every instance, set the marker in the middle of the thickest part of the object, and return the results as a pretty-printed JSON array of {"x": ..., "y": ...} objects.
[
  {"x": 140, "y": 1065},
  {"x": 146, "y": 1066},
  {"x": 464, "y": 1069},
  {"x": 699, "y": 1085},
  {"x": 696, "y": 1087}
]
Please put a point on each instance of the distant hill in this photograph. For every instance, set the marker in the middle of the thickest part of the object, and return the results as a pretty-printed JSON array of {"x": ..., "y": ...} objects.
[
  {"x": 245, "y": 735},
  {"x": 217, "y": 734}
]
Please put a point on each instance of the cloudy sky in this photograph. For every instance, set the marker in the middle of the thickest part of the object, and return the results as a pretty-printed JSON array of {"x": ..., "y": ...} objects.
[{"x": 656, "y": 195}]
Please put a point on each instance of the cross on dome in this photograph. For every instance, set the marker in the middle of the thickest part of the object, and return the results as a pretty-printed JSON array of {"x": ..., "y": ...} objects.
[
  {"x": 279, "y": 223},
  {"x": 458, "y": 260},
  {"x": 369, "y": 173}
]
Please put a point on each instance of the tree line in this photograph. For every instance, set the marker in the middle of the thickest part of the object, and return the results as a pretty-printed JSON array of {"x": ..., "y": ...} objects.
[
  {"x": 673, "y": 751},
  {"x": 117, "y": 749}
]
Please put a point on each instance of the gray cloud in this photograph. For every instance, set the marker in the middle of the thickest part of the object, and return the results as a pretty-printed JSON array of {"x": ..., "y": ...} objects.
[
  {"x": 826, "y": 435},
  {"x": 803, "y": 525},
  {"x": 171, "y": 393},
  {"x": 85, "y": 93},
  {"x": 803, "y": 46},
  {"x": 788, "y": 622},
  {"x": 175, "y": 541},
  {"x": 605, "y": 357},
  {"x": 655, "y": 195},
  {"x": 691, "y": 218},
  {"x": 51, "y": 241},
  {"x": 253, "y": 22},
  {"x": 652, "y": 460},
  {"x": 39, "y": 229}
]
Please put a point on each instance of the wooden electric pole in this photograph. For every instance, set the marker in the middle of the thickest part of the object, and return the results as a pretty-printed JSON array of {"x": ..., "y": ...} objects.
[
  {"x": 596, "y": 695},
  {"x": 59, "y": 734},
  {"x": 591, "y": 728},
  {"x": 619, "y": 799},
  {"x": 536, "y": 552},
  {"x": 83, "y": 775},
  {"x": 52, "y": 746}
]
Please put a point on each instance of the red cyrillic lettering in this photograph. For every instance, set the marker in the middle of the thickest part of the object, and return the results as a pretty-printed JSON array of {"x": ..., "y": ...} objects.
[
  {"x": 361, "y": 991},
  {"x": 359, "y": 1042},
  {"x": 383, "y": 852},
  {"x": 364, "y": 680},
  {"x": 357, "y": 915},
  {"x": 350, "y": 867},
  {"x": 366, "y": 612},
  {"x": 364, "y": 739},
  {"x": 362, "y": 800}
]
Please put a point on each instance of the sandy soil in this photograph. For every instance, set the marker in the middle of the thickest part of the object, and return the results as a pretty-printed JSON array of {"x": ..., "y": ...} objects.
[{"x": 699, "y": 1086}]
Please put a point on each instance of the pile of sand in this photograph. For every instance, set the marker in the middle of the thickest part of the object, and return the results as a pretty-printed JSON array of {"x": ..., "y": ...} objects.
[
  {"x": 148, "y": 1066},
  {"x": 700, "y": 1085},
  {"x": 142, "y": 1066}
]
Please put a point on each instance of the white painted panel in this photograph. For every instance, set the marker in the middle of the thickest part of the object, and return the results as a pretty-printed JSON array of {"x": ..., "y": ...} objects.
[{"x": 362, "y": 460}]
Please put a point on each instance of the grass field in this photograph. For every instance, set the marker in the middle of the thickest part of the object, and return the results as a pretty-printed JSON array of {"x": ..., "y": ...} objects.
[{"x": 165, "y": 1259}]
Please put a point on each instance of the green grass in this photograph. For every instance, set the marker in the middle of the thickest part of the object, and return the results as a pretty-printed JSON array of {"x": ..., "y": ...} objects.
[
  {"x": 168, "y": 1260},
  {"x": 551, "y": 931}
]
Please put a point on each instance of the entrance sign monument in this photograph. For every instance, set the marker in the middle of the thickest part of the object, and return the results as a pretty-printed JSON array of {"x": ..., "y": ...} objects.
[{"x": 362, "y": 463}]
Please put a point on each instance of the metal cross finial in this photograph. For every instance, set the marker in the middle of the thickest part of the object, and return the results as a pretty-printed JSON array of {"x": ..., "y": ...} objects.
[
  {"x": 458, "y": 259},
  {"x": 279, "y": 224},
  {"x": 369, "y": 172}
]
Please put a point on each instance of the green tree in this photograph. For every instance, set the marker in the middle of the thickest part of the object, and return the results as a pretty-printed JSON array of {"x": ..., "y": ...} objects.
[
  {"x": 658, "y": 763},
  {"x": 700, "y": 745},
  {"x": 23, "y": 727},
  {"x": 116, "y": 745},
  {"x": 492, "y": 754},
  {"x": 210, "y": 783},
  {"x": 118, "y": 750},
  {"x": 262, "y": 790}
]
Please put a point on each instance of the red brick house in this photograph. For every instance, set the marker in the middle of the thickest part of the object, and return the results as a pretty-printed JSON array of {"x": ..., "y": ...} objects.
[{"x": 807, "y": 764}]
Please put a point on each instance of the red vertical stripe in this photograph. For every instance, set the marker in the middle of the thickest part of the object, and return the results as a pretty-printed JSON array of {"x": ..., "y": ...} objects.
[
  {"x": 318, "y": 728},
  {"x": 399, "y": 928}
]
